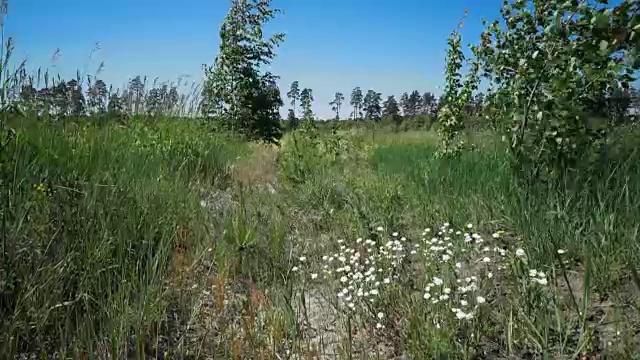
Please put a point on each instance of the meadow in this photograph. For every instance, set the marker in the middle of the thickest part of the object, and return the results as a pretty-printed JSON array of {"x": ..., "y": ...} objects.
[
  {"x": 148, "y": 224},
  {"x": 159, "y": 238}
]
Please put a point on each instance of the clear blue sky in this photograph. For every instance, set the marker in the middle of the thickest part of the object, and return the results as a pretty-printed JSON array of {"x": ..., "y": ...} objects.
[{"x": 331, "y": 45}]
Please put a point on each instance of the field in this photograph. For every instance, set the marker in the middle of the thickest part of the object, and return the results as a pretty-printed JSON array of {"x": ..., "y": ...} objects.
[{"x": 159, "y": 238}]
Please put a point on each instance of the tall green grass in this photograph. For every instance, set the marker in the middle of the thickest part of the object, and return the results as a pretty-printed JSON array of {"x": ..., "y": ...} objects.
[
  {"x": 92, "y": 217},
  {"x": 582, "y": 231},
  {"x": 593, "y": 212}
]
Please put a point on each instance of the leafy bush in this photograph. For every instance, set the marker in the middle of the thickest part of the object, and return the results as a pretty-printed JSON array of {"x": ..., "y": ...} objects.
[
  {"x": 309, "y": 152},
  {"x": 550, "y": 70}
]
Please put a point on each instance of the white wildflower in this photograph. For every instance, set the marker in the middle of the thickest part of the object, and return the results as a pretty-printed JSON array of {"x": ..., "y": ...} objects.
[{"x": 541, "y": 281}]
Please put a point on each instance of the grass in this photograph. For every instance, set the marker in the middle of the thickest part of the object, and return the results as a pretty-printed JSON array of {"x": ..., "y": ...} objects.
[{"x": 160, "y": 238}]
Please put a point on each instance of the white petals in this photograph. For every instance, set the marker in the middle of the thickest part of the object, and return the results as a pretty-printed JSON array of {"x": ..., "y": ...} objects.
[{"x": 364, "y": 269}]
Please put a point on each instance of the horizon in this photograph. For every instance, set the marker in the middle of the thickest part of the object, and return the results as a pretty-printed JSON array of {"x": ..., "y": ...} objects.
[{"x": 328, "y": 47}]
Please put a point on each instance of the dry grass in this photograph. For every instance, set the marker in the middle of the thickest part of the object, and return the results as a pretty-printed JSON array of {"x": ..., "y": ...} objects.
[{"x": 258, "y": 170}]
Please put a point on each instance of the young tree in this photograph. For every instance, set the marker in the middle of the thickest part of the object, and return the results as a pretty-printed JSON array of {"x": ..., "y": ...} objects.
[
  {"x": 455, "y": 98},
  {"x": 391, "y": 110},
  {"x": 336, "y": 104},
  {"x": 356, "y": 101},
  {"x": 372, "y": 106},
  {"x": 551, "y": 68},
  {"x": 235, "y": 89},
  {"x": 294, "y": 94},
  {"x": 306, "y": 99}
]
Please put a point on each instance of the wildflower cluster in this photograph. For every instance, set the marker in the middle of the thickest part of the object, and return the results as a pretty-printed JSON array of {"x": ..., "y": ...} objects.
[
  {"x": 459, "y": 265},
  {"x": 364, "y": 270},
  {"x": 457, "y": 270}
]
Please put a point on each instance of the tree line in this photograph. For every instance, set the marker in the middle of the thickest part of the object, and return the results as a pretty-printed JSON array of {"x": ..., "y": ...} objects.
[
  {"x": 239, "y": 94},
  {"x": 92, "y": 96}
]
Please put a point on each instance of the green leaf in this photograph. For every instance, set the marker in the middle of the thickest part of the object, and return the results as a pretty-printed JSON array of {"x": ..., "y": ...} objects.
[
  {"x": 603, "y": 45},
  {"x": 601, "y": 20}
]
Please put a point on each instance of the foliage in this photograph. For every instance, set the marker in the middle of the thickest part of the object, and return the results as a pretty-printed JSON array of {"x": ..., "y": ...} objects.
[
  {"x": 427, "y": 104},
  {"x": 158, "y": 237},
  {"x": 292, "y": 120},
  {"x": 551, "y": 69},
  {"x": 457, "y": 94},
  {"x": 371, "y": 104},
  {"x": 310, "y": 151},
  {"x": 234, "y": 89},
  {"x": 391, "y": 110}
]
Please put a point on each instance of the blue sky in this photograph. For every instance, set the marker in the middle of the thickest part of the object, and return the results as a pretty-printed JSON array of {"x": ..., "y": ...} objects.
[{"x": 389, "y": 46}]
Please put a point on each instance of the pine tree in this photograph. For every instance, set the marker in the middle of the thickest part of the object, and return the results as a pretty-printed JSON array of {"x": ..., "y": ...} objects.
[
  {"x": 405, "y": 105},
  {"x": 356, "y": 101},
  {"x": 414, "y": 102},
  {"x": 336, "y": 104},
  {"x": 372, "y": 106},
  {"x": 391, "y": 110},
  {"x": 306, "y": 98},
  {"x": 427, "y": 103},
  {"x": 294, "y": 94}
]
